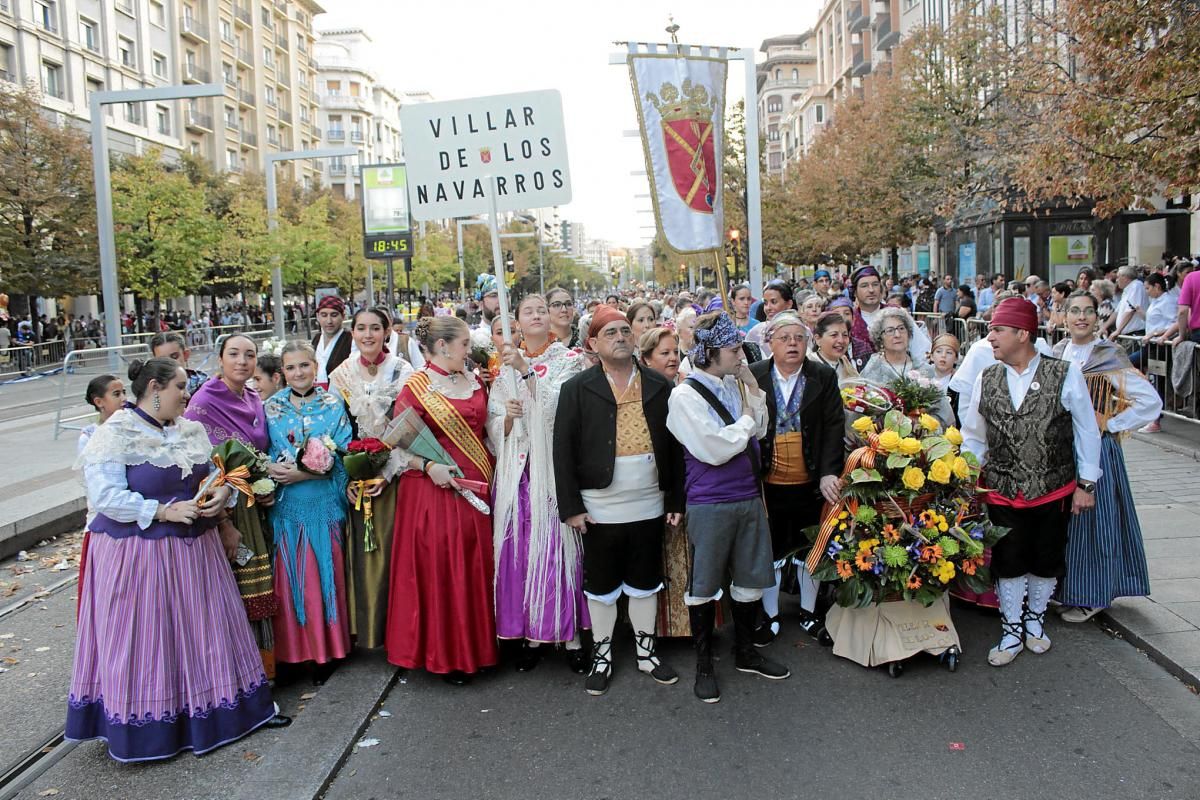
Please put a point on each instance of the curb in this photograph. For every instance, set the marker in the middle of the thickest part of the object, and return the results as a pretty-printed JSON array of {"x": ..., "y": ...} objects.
[
  {"x": 26, "y": 532},
  {"x": 1188, "y": 678},
  {"x": 1157, "y": 440},
  {"x": 312, "y": 751}
]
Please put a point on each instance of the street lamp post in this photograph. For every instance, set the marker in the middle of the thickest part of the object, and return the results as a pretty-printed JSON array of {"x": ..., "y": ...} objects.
[
  {"x": 272, "y": 208},
  {"x": 109, "y": 287}
]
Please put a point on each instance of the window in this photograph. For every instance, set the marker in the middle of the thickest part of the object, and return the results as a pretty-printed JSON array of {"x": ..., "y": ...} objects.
[
  {"x": 158, "y": 13},
  {"x": 272, "y": 134},
  {"x": 333, "y": 87},
  {"x": 266, "y": 17},
  {"x": 271, "y": 97},
  {"x": 226, "y": 31},
  {"x": 194, "y": 148},
  {"x": 163, "y": 115},
  {"x": 125, "y": 52},
  {"x": 89, "y": 31},
  {"x": 46, "y": 12},
  {"x": 231, "y": 161},
  {"x": 778, "y": 74},
  {"x": 355, "y": 88},
  {"x": 227, "y": 74},
  {"x": 302, "y": 18},
  {"x": 268, "y": 56},
  {"x": 52, "y": 79},
  {"x": 133, "y": 113},
  {"x": 795, "y": 74},
  {"x": 820, "y": 111},
  {"x": 160, "y": 65},
  {"x": 189, "y": 60},
  {"x": 94, "y": 86},
  {"x": 774, "y": 104},
  {"x": 231, "y": 117}
]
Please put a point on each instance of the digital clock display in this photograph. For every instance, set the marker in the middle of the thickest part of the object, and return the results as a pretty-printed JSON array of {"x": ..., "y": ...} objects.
[{"x": 387, "y": 246}]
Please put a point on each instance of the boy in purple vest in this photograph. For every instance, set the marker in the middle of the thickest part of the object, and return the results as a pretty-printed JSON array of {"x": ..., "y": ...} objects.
[{"x": 718, "y": 414}]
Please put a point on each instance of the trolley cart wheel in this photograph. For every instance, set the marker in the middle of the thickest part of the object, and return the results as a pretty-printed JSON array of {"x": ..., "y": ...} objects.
[
  {"x": 953, "y": 656},
  {"x": 895, "y": 669}
]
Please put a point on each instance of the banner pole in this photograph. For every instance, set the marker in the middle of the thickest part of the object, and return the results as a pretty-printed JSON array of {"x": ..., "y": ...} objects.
[
  {"x": 722, "y": 283},
  {"x": 754, "y": 259},
  {"x": 498, "y": 269}
]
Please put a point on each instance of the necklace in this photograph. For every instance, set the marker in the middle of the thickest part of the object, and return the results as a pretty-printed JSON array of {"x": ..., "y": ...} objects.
[
  {"x": 304, "y": 395},
  {"x": 372, "y": 365},
  {"x": 899, "y": 373},
  {"x": 535, "y": 353}
]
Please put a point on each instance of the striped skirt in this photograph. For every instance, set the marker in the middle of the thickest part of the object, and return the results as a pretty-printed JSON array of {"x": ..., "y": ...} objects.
[
  {"x": 164, "y": 657},
  {"x": 1105, "y": 557}
]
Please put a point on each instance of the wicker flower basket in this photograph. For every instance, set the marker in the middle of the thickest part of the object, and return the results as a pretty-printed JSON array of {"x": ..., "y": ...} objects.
[{"x": 899, "y": 508}]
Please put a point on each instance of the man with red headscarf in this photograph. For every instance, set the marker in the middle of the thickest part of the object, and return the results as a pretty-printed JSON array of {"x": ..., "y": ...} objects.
[
  {"x": 1032, "y": 426},
  {"x": 618, "y": 476},
  {"x": 332, "y": 344}
]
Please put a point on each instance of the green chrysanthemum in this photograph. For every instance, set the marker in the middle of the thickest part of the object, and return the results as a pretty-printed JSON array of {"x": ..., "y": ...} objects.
[
  {"x": 974, "y": 548},
  {"x": 895, "y": 556},
  {"x": 949, "y": 545}
]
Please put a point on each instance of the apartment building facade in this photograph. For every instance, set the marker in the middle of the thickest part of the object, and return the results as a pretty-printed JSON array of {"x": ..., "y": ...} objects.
[{"x": 783, "y": 78}]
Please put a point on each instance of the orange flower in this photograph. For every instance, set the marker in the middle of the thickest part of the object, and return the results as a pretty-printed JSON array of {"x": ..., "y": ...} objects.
[
  {"x": 931, "y": 553},
  {"x": 843, "y": 568},
  {"x": 890, "y": 534},
  {"x": 969, "y": 565},
  {"x": 864, "y": 561},
  {"x": 914, "y": 582}
]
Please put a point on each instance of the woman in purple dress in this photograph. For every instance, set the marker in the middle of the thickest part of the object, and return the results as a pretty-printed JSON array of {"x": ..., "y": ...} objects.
[{"x": 164, "y": 658}]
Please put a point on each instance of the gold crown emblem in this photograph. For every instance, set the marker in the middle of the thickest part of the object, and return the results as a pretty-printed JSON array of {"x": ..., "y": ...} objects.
[{"x": 690, "y": 101}]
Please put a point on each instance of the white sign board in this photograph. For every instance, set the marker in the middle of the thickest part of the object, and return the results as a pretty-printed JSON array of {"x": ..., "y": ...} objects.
[{"x": 452, "y": 148}]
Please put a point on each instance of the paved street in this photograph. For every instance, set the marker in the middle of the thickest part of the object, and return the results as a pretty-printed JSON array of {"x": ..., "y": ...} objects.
[{"x": 1094, "y": 718}]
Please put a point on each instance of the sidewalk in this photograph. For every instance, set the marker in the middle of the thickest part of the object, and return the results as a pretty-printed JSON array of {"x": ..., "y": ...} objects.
[{"x": 1164, "y": 472}]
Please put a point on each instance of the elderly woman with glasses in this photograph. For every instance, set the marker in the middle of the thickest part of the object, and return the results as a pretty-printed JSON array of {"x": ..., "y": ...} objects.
[
  {"x": 802, "y": 459},
  {"x": 892, "y": 334}
]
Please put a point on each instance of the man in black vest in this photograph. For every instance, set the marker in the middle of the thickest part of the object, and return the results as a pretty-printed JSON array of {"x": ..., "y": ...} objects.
[
  {"x": 1032, "y": 425},
  {"x": 619, "y": 478},
  {"x": 332, "y": 344},
  {"x": 802, "y": 459}
]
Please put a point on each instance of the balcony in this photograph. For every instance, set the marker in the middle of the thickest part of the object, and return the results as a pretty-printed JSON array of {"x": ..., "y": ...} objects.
[
  {"x": 189, "y": 28},
  {"x": 49, "y": 25},
  {"x": 5, "y": 9},
  {"x": 249, "y": 140},
  {"x": 125, "y": 7},
  {"x": 281, "y": 41},
  {"x": 856, "y": 20},
  {"x": 195, "y": 74},
  {"x": 283, "y": 79},
  {"x": 245, "y": 56},
  {"x": 272, "y": 102},
  {"x": 316, "y": 132},
  {"x": 337, "y": 169},
  {"x": 245, "y": 97},
  {"x": 356, "y": 136},
  {"x": 344, "y": 101},
  {"x": 336, "y": 134},
  {"x": 231, "y": 125},
  {"x": 230, "y": 81},
  {"x": 196, "y": 121},
  {"x": 281, "y": 6},
  {"x": 885, "y": 37},
  {"x": 285, "y": 117},
  {"x": 859, "y": 64},
  {"x": 302, "y": 47},
  {"x": 273, "y": 139},
  {"x": 242, "y": 14}
]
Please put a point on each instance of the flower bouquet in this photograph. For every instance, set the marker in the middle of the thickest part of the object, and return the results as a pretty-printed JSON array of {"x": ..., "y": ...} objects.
[
  {"x": 315, "y": 455},
  {"x": 242, "y": 467},
  {"x": 914, "y": 392},
  {"x": 364, "y": 460},
  {"x": 409, "y": 432},
  {"x": 902, "y": 533},
  {"x": 863, "y": 397}
]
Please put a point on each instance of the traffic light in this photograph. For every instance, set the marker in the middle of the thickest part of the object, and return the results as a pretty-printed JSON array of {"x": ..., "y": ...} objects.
[{"x": 509, "y": 265}]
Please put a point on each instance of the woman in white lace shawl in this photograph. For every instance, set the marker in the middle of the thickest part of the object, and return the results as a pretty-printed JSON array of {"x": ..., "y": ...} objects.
[{"x": 539, "y": 568}]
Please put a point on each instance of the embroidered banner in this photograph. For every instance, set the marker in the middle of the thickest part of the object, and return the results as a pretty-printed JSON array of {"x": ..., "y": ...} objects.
[{"x": 681, "y": 109}]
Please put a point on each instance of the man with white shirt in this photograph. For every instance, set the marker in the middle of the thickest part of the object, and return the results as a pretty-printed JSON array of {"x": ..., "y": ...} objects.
[
  {"x": 332, "y": 344},
  {"x": 1130, "y": 317},
  {"x": 1032, "y": 426},
  {"x": 718, "y": 414}
]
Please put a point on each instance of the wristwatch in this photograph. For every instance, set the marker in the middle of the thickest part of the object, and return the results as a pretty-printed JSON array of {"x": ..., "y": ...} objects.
[{"x": 1087, "y": 486}]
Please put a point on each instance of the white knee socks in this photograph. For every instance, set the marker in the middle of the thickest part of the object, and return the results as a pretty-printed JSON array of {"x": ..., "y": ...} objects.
[
  {"x": 604, "y": 619},
  {"x": 1040, "y": 590},
  {"x": 808, "y": 588},
  {"x": 770, "y": 600},
  {"x": 643, "y": 613},
  {"x": 1012, "y": 600}
]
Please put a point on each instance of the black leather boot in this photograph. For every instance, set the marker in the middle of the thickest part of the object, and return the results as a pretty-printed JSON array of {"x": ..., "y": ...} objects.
[
  {"x": 745, "y": 657},
  {"x": 703, "y": 618}
]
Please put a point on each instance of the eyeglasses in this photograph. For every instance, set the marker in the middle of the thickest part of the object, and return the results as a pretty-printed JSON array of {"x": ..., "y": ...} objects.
[
  {"x": 790, "y": 338},
  {"x": 894, "y": 331},
  {"x": 559, "y": 305},
  {"x": 1076, "y": 311}
]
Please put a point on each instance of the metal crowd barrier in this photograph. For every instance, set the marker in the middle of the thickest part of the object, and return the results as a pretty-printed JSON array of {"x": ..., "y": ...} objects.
[
  {"x": 30, "y": 358},
  {"x": 85, "y": 365},
  {"x": 1157, "y": 361}
]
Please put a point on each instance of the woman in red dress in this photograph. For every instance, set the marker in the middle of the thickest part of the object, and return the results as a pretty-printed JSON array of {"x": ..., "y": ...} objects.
[{"x": 441, "y": 614}]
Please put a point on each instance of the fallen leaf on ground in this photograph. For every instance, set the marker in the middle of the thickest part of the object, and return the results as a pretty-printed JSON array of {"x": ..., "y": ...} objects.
[
  {"x": 250, "y": 755},
  {"x": 308, "y": 695},
  {"x": 41, "y": 649},
  {"x": 367, "y": 742},
  {"x": 62, "y": 566},
  {"x": 385, "y": 713},
  {"x": 10, "y": 660},
  {"x": 47, "y": 792},
  {"x": 7, "y": 635}
]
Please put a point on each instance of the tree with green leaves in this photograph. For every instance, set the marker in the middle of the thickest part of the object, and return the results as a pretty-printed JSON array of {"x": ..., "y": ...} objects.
[
  {"x": 47, "y": 205},
  {"x": 165, "y": 234},
  {"x": 307, "y": 248}
]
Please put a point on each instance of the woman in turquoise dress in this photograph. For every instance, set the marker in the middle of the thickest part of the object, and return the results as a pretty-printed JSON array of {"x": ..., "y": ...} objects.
[{"x": 309, "y": 518}]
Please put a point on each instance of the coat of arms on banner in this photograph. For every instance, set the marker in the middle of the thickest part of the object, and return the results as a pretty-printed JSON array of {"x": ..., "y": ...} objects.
[{"x": 688, "y": 131}]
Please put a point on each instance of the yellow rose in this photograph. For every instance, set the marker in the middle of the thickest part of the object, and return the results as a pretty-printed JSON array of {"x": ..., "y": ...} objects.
[
  {"x": 863, "y": 425},
  {"x": 939, "y": 472},
  {"x": 889, "y": 440},
  {"x": 949, "y": 459},
  {"x": 929, "y": 422},
  {"x": 910, "y": 446},
  {"x": 953, "y": 436},
  {"x": 960, "y": 468},
  {"x": 913, "y": 478}
]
